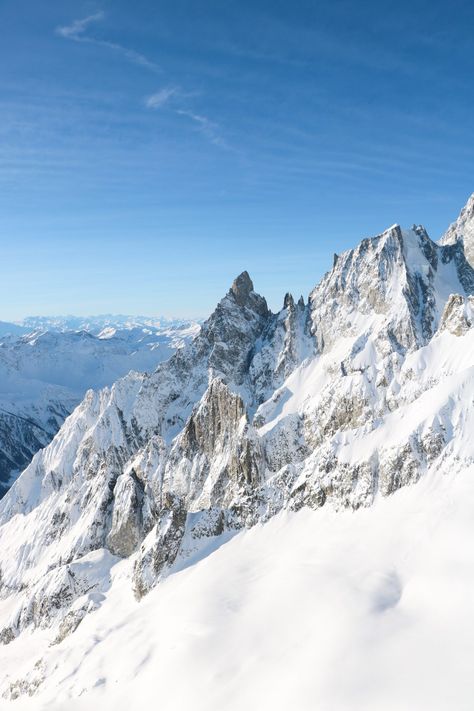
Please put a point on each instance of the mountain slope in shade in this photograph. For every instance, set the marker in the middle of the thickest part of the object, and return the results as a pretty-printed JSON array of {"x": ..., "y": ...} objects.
[
  {"x": 45, "y": 374},
  {"x": 463, "y": 230},
  {"x": 331, "y": 404}
]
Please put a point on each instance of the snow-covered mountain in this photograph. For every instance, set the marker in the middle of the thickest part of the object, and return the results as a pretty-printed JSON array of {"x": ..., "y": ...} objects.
[
  {"x": 463, "y": 230},
  {"x": 44, "y": 374},
  {"x": 96, "y": 324},
  {"x": 261, "y": 437}
]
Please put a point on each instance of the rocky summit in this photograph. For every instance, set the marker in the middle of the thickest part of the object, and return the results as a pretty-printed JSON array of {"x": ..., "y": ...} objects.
[{"x": 362, "y": 389}]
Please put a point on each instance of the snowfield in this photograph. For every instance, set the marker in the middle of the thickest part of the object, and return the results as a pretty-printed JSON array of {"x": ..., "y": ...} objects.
[{"x": 362, "y": 610}]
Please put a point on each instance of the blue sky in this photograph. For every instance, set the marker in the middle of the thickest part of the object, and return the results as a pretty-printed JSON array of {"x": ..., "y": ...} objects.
[{"x": 150, "y": 151}]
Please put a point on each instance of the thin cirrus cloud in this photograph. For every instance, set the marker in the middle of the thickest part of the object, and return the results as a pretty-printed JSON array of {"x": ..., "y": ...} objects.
[
  {"x": 76, "y": 32},
  {"x": 210, "y": 129},
  {"x": 161, "y": 97}
]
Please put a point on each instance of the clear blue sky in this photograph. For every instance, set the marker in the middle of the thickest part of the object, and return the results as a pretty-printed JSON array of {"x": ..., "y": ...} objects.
[{"x": 152, "y": 150}]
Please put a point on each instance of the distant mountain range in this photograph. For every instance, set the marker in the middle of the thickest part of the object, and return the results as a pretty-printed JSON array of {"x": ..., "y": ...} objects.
[
  {"x": 47, "y": 365},
  {"x": 91, "y": 324}
]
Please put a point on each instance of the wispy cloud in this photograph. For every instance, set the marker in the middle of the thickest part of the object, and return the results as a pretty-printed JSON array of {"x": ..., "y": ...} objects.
[
  {"x": 76, "y": 32},
  {"x": 161, "y": 97},
  {"x": 208, "y": 128},
  {"x": 77, "y": 28}
]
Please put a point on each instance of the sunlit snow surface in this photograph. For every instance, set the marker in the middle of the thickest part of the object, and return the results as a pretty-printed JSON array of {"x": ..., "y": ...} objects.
[{"x": 314, "y": 610}]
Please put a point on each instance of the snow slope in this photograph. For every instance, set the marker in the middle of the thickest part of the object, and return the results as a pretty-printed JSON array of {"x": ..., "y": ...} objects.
[{"x": 316, "y": 609}]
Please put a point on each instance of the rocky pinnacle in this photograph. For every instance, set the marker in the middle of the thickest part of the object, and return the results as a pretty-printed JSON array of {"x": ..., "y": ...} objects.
[{"x": 241, "y": 287}]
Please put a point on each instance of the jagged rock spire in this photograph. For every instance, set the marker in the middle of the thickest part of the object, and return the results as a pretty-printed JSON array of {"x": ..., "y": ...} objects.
[
  {"x": 242, "y": 286},
  {"x": 243, "y": 294}
]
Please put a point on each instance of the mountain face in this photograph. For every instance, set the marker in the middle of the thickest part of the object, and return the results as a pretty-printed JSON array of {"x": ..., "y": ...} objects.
[
  {"x": 333, "y": 402},
  {"x": 45, "y": 374},
  {"x": 463, "y": 230}
]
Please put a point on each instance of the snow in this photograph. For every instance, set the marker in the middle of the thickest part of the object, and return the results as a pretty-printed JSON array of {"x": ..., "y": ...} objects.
[{"x": 364, "y": 610}]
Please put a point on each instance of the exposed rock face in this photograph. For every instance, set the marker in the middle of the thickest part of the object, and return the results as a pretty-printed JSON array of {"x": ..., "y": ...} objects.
[
  {"x": 463, "y": 230},
  {"x": 160, "y": 548},
  {"x": 286, "y": 342},
  {"x": 458, "y": 315},
  {"x": 217, "y": 454},
  {"x": 126, "y": 532},
  {"x": 244, "y": 295},
  {"x": 331, "y": 402},
  {"x": 65, "y": 593}
]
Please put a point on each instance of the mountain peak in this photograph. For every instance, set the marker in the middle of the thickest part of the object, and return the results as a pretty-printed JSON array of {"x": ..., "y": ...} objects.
[
  {"x": 243, "y": 294},
  {"x": 469, "y": 206},
  {"x": 242, "y": 286},
  {"x": 463, "y": 230}
]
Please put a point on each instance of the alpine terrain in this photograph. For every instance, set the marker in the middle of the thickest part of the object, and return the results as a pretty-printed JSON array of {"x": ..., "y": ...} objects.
[
  {"x": 47, "y": 365},
  {"x": 276, "y": 517}
]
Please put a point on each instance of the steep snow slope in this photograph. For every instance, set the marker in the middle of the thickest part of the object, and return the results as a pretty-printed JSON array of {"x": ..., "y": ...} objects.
[
  {"x": 44, "y": 375},
  {"x": 313, "y": 610},
  {"x": 463, "y": 230},
  {"x": 331, "y": 404}
]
